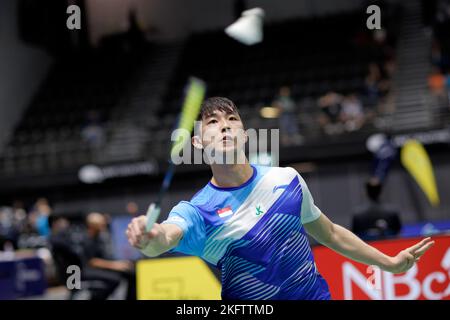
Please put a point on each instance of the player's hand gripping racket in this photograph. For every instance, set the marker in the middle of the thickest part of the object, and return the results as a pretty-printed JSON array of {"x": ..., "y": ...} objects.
[{"x": 194, "y": 95}]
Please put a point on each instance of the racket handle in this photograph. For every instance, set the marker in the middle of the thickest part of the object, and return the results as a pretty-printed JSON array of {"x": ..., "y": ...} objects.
[{"x": 153, "y": 212}]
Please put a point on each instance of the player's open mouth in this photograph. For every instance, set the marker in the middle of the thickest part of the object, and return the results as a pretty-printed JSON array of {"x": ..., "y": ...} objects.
[
  {"x": 227, "y": 141},
  {"x": 227, "y": 138}
]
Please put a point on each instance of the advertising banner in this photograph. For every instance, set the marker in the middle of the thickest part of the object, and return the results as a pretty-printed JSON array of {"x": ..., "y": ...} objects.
[{"x": 429, "y": 279}]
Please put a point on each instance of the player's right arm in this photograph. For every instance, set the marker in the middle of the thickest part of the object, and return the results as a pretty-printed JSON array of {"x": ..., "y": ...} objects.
[{"x": 161, "y": 238}]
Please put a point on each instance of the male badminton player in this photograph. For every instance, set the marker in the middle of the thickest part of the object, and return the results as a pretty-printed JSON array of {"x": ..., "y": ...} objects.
[{"x": 251, "y": 222}]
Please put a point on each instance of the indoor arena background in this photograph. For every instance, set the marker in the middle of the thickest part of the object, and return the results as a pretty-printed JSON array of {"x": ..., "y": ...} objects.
[{"x": 86, "y": 115}]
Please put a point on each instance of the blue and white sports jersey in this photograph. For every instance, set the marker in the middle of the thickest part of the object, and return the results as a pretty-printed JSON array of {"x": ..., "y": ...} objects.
[{"x": 254, "y": 234}]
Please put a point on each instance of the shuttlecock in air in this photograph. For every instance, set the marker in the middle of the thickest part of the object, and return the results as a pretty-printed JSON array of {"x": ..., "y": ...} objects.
[{"x": 248, "y": 29}]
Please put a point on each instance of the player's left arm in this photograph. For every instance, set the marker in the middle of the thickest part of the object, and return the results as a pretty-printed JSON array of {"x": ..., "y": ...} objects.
[{"x": 348, "y": 244}]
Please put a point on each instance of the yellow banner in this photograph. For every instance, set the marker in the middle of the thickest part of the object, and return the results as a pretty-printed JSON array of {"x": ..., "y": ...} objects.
[
  {"x": 180, "y": 278},
  {"x": 415, "y": 159}
]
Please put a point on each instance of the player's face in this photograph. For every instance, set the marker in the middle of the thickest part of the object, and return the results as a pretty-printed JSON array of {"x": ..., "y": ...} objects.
[{"x": 223, "y": 131}]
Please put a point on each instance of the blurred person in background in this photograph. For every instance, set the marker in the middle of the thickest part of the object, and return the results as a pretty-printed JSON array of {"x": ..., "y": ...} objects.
[
  {"x": 330, "y": 106},
  {"x": 132, "y": 209},
  {"x": 99, "y": 263},
  {"x": 39, "y": 217},
  {"x": 352, "y": 113},
  {"x": 13, "y": 222},
  {"x": 20, "y": 215},
  {"x": 375, "y": 221},
  {"x": 287, "y": 109},
  {"x": 62, "y": 248},
  {"x": 436, "y": 82},
  {"x": 372, "y": 85},
  {"x": 8, "y": 232},
  {"x": 437, "y": 85},
  {"x": 60, "y": 230}
]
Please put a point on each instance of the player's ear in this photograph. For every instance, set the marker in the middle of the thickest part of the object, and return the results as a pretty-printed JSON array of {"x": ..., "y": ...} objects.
[
  {"x": 197, "y": 142},
  {"x": 245, "y": 136}
]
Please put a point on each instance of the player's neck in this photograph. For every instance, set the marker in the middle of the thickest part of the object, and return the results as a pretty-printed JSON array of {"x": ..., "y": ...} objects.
[{"x": 231, "y": 175}]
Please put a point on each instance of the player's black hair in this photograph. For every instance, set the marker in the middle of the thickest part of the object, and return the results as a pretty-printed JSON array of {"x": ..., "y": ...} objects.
[{"x": 210, "y": 105}]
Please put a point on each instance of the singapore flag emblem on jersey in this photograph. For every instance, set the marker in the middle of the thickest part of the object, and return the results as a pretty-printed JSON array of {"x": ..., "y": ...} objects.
[{"x": 225, "y": 212}]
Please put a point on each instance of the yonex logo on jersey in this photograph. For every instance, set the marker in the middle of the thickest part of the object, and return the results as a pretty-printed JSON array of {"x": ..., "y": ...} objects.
[
  {"x": 259, "y": 211},
  {"x": 225, "y": 212}
]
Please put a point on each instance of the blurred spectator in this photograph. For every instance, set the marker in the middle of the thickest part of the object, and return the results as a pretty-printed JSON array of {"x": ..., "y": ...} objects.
[
  {"x": 20, "y": 216},
  {"x": 330, "y": 117},
  {"x": 372, "y": 88},
  {"x": 39, "y": 217},
  {"x": 99, "y": 263},
  {"x": 352, "y": 113},
  {"x": 60, "y": 226},
  {"x": 436, "y": 82},
  {"x": 13, "y": 222},
  {"x": 60, "y": 243},
  {"x": 377, "y": 85},
  {"x": 8, "y": 232},
  {"x": 375, "y": 221},
  {"x": 93, "y": 132},
  {"x": 132, "y": 209},
  {"x": 288, "y": 117}
]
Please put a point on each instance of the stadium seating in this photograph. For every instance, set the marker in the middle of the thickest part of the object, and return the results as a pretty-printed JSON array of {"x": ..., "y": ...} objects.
[{"x": 313, "y": 56}]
